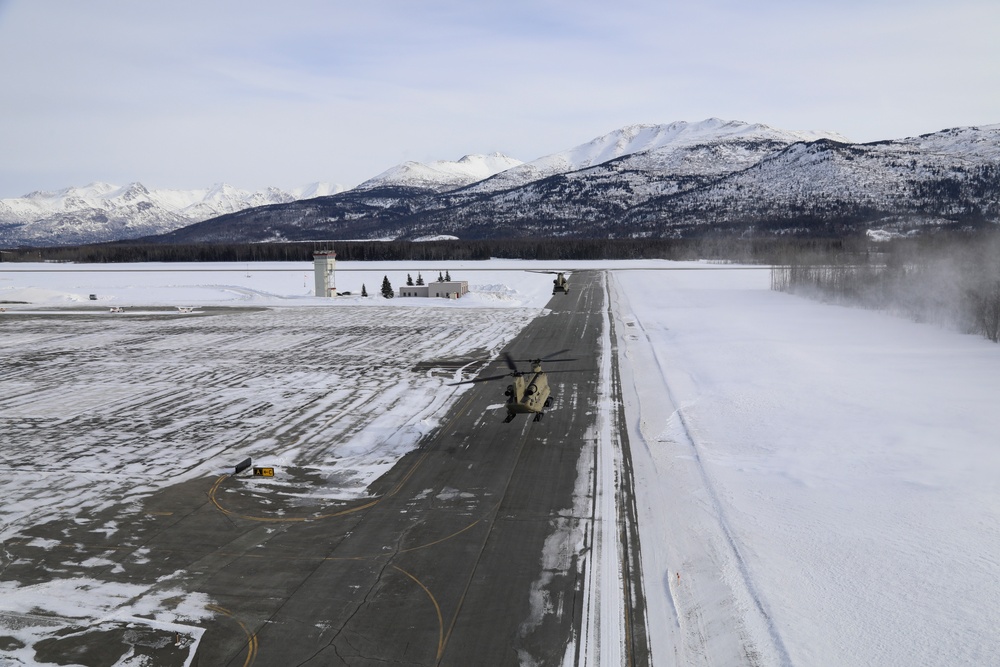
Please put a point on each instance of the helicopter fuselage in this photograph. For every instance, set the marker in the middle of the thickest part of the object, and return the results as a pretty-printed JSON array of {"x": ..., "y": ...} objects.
[
  {"x": 560, "y": 284},
  {"x": 529, "y": 393}
]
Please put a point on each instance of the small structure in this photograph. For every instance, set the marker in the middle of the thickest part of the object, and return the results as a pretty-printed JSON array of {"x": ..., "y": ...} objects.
[
  {"x": 445, "y": 289},
  {"x": 324, "y": 265}
]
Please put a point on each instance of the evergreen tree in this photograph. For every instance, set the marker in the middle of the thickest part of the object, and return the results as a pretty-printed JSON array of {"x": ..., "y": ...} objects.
[
  {"x": 420, "y": 279},
  {"x": 447, "y": 276},
  {"x": 409, "y": 280},
  {"x": 386, "y": 288},
  {"x": 364, "y": 292},
  {"x": 440, "y": 278}
]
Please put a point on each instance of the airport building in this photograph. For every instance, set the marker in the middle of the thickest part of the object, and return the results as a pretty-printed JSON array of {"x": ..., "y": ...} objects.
[{"x": 445, "y": 289}]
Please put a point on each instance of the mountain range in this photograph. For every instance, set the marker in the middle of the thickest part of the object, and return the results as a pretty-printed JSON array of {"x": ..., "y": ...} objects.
[
  {"x": 104, "y": 212},
  {"x": 673, "y": 180}
]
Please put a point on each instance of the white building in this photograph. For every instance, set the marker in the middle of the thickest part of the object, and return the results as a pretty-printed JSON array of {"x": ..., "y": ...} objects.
[
  {"x": 445, "y": 289},
  {"x": 324, "y": 264}
]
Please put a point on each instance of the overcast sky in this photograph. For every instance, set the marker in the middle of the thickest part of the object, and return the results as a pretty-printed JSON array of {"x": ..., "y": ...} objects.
[{"x": 188, "y": 93}]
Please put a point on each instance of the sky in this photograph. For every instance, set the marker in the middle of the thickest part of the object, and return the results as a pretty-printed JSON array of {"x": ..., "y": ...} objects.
[{"x": 186, "y": 94}]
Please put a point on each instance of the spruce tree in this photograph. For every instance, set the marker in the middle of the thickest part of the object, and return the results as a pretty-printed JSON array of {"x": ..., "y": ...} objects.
[
  {"x": 386, "y": 288},
  {"x": 420, "y": 279},
  {"x": 409, "y": 280},
  {"x": 364, "y": 292},
  {"x": 440, "y": 279},
  {"x": 447, "y": 276}
]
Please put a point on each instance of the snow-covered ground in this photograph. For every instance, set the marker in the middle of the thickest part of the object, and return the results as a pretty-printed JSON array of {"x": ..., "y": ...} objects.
[
  {"x": 507, "y": 284},
  {"x": 816, "y": 485}
]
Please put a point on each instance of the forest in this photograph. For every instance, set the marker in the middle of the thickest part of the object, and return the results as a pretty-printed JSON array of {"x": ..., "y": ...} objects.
[{"x": 722, "y": 248}]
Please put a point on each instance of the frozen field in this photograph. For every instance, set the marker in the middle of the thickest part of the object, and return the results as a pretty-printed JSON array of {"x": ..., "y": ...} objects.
[{"x": 816, "y": 485}]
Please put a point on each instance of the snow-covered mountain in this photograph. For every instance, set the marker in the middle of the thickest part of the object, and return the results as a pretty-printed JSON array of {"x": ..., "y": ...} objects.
[
  {"x": 102, "y": 212},
  {"x": 671, "y": 180},
  {"x": 600, "y": 181},
  {"x": 947, "y": 177},
  {"x": 642, "y": 180},
  {"x": 442, "y": 175},
  {"x": 680, "y": 146}
]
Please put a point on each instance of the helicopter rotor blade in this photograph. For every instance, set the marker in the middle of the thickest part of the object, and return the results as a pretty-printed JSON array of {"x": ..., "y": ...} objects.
[
  {"x": 510, "y": 362},
  {"x": 484, "y": 379},
  {"x": 548, "y": 358}
]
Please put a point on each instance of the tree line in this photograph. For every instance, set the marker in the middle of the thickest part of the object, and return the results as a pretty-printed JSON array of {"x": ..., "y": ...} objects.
[{"x": 712, "y": 247}]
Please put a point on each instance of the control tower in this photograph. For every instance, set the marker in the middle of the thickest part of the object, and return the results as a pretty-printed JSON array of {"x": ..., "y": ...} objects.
[{"x": 324, "y": 262}]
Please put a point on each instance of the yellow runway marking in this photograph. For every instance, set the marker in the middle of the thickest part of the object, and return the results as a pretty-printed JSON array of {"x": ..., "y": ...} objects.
[
  {"x": 443, "y": 539},
  {"x": 252, "y": 645},
  {"x": 437, "y": 608},
  {"x": 409, "y": 473}
]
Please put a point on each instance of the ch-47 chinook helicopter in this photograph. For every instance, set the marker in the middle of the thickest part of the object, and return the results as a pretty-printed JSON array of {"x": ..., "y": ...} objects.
[
  {"x": 560, "y": 284},
  {"x": 530, "y": 392}
]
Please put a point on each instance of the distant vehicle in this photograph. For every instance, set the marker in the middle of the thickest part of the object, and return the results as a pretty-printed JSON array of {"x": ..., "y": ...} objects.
[
  {"x": 117, "y": 309},
  {"x": 93, "y": 297},
  {"x": 186, "y": 309},
  {"x": 530, "y": 392}
]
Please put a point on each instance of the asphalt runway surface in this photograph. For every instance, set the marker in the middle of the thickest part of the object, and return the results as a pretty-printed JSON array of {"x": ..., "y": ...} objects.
[{"x": 468, "y": 552}]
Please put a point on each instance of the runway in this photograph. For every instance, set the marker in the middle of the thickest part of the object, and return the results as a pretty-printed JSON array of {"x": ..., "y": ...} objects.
[{"x": 473, "y": 550}]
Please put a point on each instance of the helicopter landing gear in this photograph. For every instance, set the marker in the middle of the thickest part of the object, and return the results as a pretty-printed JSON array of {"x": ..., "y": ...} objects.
[
  {"x": 538, "y": 416},
  {"x": 548, "y": 402},
  {"x": 509, "y": 418}
]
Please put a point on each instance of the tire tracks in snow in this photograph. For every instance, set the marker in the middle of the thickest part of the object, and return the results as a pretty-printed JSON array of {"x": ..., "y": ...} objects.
[{"x": 636, "y": 639}]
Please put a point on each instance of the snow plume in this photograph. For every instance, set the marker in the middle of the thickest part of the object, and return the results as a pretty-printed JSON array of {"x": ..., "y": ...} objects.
[{"x": 954, "y": 283}]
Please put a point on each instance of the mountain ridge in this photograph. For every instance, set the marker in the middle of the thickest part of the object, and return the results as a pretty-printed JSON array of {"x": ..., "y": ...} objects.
[
  {"x": 102, "y": 211},
  {"x": 443, "y": 175},
  {"x": 651, "y": 180}
]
